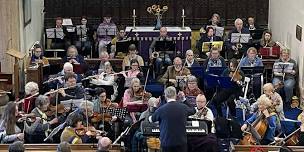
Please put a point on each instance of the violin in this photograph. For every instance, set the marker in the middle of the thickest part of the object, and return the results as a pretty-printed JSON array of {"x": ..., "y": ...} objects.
[
  {"x": 22, "y": 116},
  {"x": 61, "y": 109},
  {"x": 235, "y": 75},
  {"x": 90, "y": 131},
  {"x": 141, "y": 94},
  {"x": 97, "y": 117}
]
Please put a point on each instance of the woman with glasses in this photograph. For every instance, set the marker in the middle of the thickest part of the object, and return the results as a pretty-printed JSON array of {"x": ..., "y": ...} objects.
[{"x": 38, "y": 57}]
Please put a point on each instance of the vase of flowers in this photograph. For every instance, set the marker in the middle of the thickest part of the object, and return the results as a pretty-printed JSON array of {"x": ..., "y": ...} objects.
[{"x": 158, "y": 11}]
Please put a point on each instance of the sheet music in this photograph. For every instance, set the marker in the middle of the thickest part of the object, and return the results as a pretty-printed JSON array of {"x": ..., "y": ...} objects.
[
  {"x": 107, "y": 30},
  {"x": 239, "y": 37},
  {"x": 280, "y": 66},
  {"x": 50, "y": 33},
  {"x": 219, "y": 31},
  {"x": 81, "y": 30}
]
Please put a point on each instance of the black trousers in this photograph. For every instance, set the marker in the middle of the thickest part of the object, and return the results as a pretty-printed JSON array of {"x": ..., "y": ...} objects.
[
  {"x": 226, "y": 95},
  {"x": 180, "y": 148}
]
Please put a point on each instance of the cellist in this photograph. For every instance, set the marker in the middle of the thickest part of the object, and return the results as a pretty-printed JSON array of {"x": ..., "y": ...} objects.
[{"x": 265, "y": 110}]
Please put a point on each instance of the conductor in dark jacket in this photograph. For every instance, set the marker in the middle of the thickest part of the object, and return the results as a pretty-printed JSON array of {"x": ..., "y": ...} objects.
[{"x": 172, "y": 118}]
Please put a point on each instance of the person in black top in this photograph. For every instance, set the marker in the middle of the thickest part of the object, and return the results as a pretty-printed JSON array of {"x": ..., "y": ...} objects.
[
  {"x": 229, "y": 94},
  {"x": 75, "y": 59},
  {"x": 206, "y": 37},
  {"x": 172, "y": 118}
]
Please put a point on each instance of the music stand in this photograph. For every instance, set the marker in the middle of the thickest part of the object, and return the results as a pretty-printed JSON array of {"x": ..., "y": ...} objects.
[
  {"x": 54, "y": 33},
  {"x": 18, "y": 56},
  {"x": 257, "y": 33},
  {"x": 197, "y": 71},
  {"x": 108, "y": 30},
  {"x": 55, "y": 51},
  {"x": 218, "y": 31},
  {"x": 283, "y": 67},
  {"x": 250, "y": 72},
  {"x": 206, "y": 47},
  {"x": 239, "y": 38},
  {"x": 165, "y": 47},
  {"x": 216, "y": 70},
  {"x": 123, "y": 46}
]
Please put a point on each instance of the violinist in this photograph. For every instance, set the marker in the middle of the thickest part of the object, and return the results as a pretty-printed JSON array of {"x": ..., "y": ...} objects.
[
  {"x": 70, "y": 132},
  {"x": 190, "y": 92},
  {"x": 264, "y": 104},
  {"x": 102, "y": 101},
  {"x": 207, "y": 143},
  {"x": 229, "y": 94},
  {"x": 276, "y": 99},
  {"x": 41, "y": 127},
  {"x": 134, "y": 95},
  {"x": 251, "y": 60},
  {"x": 9, "y": 131},
  {"x": 31, "y": 88}
]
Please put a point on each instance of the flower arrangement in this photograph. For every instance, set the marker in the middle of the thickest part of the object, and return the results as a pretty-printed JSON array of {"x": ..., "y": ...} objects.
[{"x": 158, "y": 11}]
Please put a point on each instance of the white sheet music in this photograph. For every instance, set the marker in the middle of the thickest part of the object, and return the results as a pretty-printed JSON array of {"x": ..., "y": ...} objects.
[
  {"x": 219, "y": 31},
  {"x": 239, "y": 37},
  {"x": 50, "y": 33},
  {"x": 280, "y": 66}
]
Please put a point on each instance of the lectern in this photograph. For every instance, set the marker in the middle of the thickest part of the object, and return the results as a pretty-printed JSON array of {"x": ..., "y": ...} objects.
[{"x": 18, "y": 56}]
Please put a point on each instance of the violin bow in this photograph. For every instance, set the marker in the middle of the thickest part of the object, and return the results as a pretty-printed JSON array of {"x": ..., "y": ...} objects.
[
  {"x": 56, "y": 114},
  {"x": 87, "y": 117},
  {"x": 145, "y": 83}
]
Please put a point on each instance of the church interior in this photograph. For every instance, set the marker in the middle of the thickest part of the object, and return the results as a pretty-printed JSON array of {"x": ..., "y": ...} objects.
[{"x": 151, "y": 76}]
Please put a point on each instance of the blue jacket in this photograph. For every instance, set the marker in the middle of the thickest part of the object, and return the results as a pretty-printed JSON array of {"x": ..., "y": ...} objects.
[{"x": 245, "y": 62}]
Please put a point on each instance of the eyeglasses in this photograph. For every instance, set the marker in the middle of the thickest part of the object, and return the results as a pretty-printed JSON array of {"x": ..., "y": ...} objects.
[
  {"x": 134, "y": 65},
  {"x": 102, "y": 96}
]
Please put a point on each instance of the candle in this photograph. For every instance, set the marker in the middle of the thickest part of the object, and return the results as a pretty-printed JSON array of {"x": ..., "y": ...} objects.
[
  {"x": 134, "y": 12},
  {"x": 183, "y": 12}
]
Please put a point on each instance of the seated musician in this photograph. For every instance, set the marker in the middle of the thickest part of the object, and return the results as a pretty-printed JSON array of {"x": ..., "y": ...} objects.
[
  {"x": 133, "y": 96},
  {"x": 174, "y": 70},
  {"x": 104, "y": 57},
  {"x": 237, "y": 49},
  {"x": 251, "y": 60},
  {"x": 161, "y": 59},
  {"x": 138, "y": 137},
  {"x": 189, "y": 92},
  {"x": 301, "y": 137},
  {"x": 251, "y": 24},
  {"x": 230, "y": 94},
  {"x": 132, "y": 55},
  {"x": 31, "y": 89},
  {"x": 215, "y": 20},
  {"x": 207, "y": 143},
  {"x": 40, "y": 129},
  {"x": 134, "y": 70},
  {"x": 58, "y": 43},
  {"x": 190, "y": 61},
  {"x": 70, "y": 133},
  {"x": 215, "y": 60},
  {"x": 74, "y": 58},
  {"x": 208, "y": 37},
  {"x": 286, "y": 79},
  {"x": 266, "y": 40},
  {"x": 9, "y": 131},
  {"x": 275, "y": 98},
  {"x": 264, "y": 104},
  {"x": 121, "y": 35},
  {"x": 71, "y": 91},
  {"x": 104, "y": 144},
  {"x": 85, "y": 39},
  {"x": 106, "y": 77},
  {"x": 102, "y": 101},
  {"x": 104, "y": 36},
  {"x": 37, "y": 56}
]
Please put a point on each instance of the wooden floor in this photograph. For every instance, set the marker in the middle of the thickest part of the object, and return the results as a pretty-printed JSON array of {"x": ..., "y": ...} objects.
[{"x": 53, "y": 147}]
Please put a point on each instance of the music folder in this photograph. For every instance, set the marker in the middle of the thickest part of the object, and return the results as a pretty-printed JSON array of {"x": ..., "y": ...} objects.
[
  {"x": 123, "y": 46},
  {"x": 165, "y": 46},
  {"x": 206, "y": 47}
]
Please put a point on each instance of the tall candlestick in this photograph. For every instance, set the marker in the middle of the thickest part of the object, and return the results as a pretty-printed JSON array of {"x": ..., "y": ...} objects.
[
  {"x": 183, "y": 12},
  {"x": 134, "y": 12}
]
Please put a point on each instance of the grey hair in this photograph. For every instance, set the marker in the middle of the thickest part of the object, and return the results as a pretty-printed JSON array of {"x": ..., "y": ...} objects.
[
  {"x": 72, "y": 47},
  {"x": 170, "y": 92},
  {"x": 30, "y": 86},
  {"x": 90, "y": 105},
  {"x": 151, "y": 101},
  {"x": 189, "y": 51},
  {"x": 41, "y": 100},
  {"x": 64, "y": 147},
  {"x": 104, "y": 53},
  {"x": 238, "y": 20},
  {"x": 16, "y": 146},
  {"x": 192, "y": 78},
  {"x": 67, "y": 65},
  {"x": 135, "y": 80}
]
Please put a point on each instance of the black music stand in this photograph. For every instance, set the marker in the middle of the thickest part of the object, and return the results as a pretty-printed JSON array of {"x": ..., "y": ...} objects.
[
  {"x": 123, "y": 46},
  {"x": 250, "y": 72},
  {"x": 257, "y": 33},
  {"x": 216, "y": 70},
  {"x": 165, "y": 47}
]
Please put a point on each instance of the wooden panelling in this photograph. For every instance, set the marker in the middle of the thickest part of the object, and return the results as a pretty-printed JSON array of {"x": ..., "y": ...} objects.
[{"x": 197, "y": 12}]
